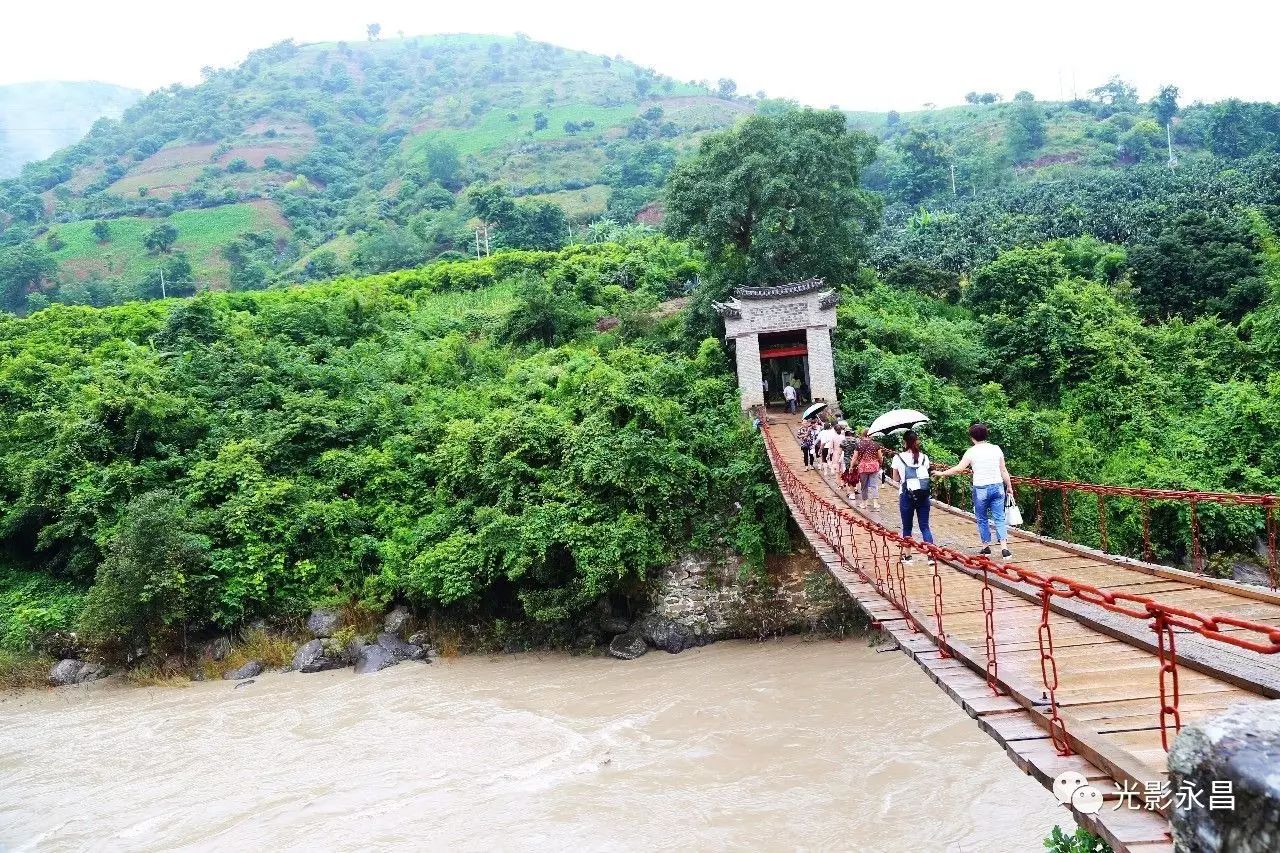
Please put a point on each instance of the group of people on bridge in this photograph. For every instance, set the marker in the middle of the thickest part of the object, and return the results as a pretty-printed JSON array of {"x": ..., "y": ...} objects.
[{"x": 830, "y": 446}]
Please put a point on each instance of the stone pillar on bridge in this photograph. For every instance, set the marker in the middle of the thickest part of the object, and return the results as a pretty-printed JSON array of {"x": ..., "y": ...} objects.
[
  {"x": 784, "y": 321},
  {"x": 747, "y": 353},
  {"x": 1233, "y": 759}
]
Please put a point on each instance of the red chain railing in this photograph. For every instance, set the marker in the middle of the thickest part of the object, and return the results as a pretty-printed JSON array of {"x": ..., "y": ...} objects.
[
  {"x": 829, "y": 521},
  {"x": 1193, "y": 500}
]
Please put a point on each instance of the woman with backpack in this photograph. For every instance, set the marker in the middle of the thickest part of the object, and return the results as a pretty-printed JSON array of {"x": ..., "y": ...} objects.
[{"x": 911, "y": 472}]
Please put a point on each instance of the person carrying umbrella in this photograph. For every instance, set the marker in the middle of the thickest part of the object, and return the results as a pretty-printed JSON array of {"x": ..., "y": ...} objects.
[
  {"x": 806, "y": 435},
  {"x": 991, "y": 487}
]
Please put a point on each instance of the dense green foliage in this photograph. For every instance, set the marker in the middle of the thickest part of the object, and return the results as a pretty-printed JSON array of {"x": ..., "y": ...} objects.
[
  {"x": 1081, "y": 841},
  {"x": 1049, "y": 346},
  {"x": 777, "y": 198},
  {"x": 415, "y": 436},
  {"x": 1191, "y": 233}
]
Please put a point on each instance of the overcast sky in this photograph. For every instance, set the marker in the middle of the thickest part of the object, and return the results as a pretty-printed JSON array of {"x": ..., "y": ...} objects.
[{"x": 895, "y": 55}]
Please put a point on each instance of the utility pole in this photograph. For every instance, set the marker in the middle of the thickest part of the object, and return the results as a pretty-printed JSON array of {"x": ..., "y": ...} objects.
[
  {"x": 1168, "y": 137},
  {"x": 953, "y": 178},
  {"x": 163, "y": 295}
]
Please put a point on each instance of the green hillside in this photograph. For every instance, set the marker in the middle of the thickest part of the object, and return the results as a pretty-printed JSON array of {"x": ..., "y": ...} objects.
[
  {"x": 355, "y": 156},
  {"x": 308, "y": 161},
  {"x": 36, "y": 119}
]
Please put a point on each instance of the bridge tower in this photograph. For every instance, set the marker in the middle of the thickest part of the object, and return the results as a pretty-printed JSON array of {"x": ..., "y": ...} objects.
[{"x": 782, "y": 334}]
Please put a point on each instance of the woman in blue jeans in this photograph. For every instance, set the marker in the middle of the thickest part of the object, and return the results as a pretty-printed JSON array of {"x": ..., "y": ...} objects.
[
  {"x": 991, "y": 487},
  {"x": 911, "y": 472}
]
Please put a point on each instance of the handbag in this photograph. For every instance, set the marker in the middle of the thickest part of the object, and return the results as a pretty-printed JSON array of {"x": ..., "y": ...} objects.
[{"x": 1012, "y": 515}]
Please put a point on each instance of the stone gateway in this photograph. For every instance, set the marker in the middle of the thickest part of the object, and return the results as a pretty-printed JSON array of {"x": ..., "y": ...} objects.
[{"x": 782, "y": 336}]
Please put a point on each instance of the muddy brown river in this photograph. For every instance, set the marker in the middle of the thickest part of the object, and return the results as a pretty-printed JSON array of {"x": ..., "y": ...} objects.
[{"x": 742, "y": 746}]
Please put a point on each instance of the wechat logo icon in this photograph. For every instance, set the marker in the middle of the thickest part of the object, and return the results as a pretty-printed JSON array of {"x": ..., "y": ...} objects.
[{"x": 1072, "y": 789}]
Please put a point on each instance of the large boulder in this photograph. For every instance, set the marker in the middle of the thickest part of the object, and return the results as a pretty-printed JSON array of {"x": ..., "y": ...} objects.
[
  {"x": 249, "y": 670},
  {"x": 628, "y": 646},
  {"x": 218, "y": 648},
  {"x": 374, "y": 658},
  {"x": 666, "y": 634},
  {"x": 324, "y": 621},
  {"x": 72, "y": 671},
  {"x": 93, "y": 671},
  {"x": 398, "y": 620},
  {"x": 611, "y": 624},
  {"x": 399, "y": 648},
  {"x": 314, "y": 657},
  {"x": 65, "y": 672},
  {"x": 1236, "y": 753}
]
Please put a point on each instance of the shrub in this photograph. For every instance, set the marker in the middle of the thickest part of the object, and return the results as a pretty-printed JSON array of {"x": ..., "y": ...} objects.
[{"x": 151, "y": 576}]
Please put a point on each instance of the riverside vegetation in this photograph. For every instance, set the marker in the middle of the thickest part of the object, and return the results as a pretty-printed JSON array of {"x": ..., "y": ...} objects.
[{"x": 456, "y": 437}]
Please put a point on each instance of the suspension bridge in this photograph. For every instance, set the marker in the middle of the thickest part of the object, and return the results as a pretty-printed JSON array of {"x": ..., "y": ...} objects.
[{"x": 1072, "y": 658}]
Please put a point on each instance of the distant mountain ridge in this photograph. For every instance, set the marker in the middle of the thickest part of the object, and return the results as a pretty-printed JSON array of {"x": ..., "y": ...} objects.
[{"x": 36, "y": 119}]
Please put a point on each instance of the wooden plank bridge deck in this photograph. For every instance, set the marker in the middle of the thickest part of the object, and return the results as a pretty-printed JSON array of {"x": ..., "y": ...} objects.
[{"x": 1108, "y": 692}]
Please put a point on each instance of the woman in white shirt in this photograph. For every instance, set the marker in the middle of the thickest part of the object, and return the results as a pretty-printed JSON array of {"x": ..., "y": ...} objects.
[
  {"x": 991, "y": 487},
  {"x": 911, "y": 472},
  {"x": 823, "y": 442}
]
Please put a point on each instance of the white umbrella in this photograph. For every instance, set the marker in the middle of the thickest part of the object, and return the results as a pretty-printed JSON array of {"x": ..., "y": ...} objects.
[
  {"x": 898, "y": 420},
  {"x": 813, "y": 410}
]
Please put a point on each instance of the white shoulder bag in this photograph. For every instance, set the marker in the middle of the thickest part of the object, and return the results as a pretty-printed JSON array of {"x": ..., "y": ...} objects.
[{"x": 1012, "y": 515}]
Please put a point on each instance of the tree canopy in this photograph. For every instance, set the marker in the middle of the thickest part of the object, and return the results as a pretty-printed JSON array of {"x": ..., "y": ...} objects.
[{"x": 777, "y": 198}]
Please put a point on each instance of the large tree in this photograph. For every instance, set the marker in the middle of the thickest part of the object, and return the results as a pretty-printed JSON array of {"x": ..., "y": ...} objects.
[
  {"x": 777, "y": 198},
  {"x": 22, "y": 269},
  {"x": 926, "y": 163},
  {"x": 1026, "y": 131}
]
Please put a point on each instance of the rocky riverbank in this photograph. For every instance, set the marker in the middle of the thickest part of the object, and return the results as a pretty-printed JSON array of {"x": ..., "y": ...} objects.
[{"x": 698, "y": 599}]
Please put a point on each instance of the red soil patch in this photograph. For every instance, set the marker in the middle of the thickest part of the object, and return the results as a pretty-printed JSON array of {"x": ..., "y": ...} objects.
[
  {"x": 181, "y": 155},
  {"x": 259, "y": 128},
  {"x": 270, "y": 213},
  {"x": 652, "y": 214},
  {"x": 256, "y": 155},
  {"x": 83, "y": 269}
]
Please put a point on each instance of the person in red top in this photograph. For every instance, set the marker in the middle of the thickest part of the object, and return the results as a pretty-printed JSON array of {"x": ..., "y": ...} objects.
[{"x": 867, "y": 457}]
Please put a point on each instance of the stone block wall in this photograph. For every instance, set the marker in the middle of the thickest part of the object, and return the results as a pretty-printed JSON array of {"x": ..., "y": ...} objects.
[
  {"x": 822, "y": 365},
  {"x": 749, "y": 371},
  {"x": 709, "y": 594},
  {"x": 780, "y": 315}
]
